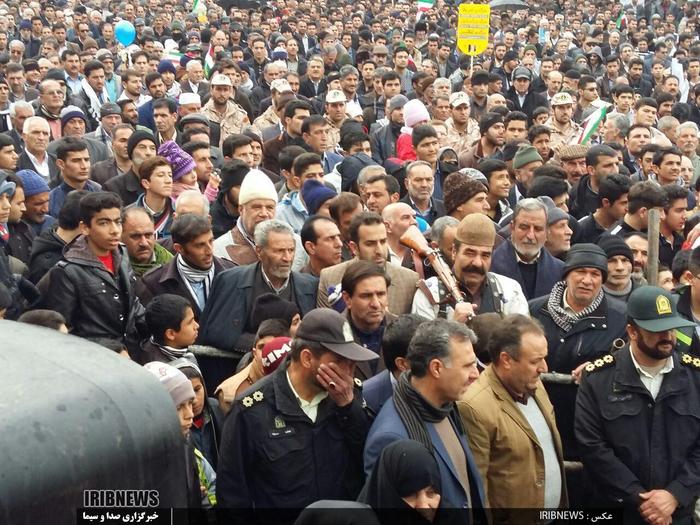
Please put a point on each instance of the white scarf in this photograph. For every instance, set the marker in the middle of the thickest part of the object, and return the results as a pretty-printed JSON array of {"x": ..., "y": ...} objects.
[{"x": 95, "y": 103}]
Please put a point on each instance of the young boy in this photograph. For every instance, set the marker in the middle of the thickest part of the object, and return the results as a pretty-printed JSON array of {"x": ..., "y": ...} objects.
[
  {"x": 171, "y": 323},
  {"x": 201, "y": 478},
  {"x": 156, "y": 177}
]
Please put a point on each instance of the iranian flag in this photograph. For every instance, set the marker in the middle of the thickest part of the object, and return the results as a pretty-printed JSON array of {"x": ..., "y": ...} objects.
[
  {"x": 173, "y": 56},
  {"x": 591, "y": 124},
  {"x": 621, "y": 21},
  {"x": 425, "y": 5},
  {"x": 209, "y": 62}
]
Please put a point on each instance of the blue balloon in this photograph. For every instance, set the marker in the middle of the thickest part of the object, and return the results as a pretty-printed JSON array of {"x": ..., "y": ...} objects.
[
  {"x": 423, "y": 225},
  {"x": 125, "y": 32}
]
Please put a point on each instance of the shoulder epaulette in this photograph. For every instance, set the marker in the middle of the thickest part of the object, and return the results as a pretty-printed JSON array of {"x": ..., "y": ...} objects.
[
  {"x": 600, "y": 363},
  {"x": 690, "y": 361},
  {"x": 255, "y": 397}
]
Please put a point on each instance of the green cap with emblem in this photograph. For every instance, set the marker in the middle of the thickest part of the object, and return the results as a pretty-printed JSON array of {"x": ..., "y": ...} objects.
[{"x": 654, "y": 310}]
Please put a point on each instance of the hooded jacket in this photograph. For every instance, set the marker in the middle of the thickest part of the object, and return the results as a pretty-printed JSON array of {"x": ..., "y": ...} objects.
[{"x": 47, "y": 250}]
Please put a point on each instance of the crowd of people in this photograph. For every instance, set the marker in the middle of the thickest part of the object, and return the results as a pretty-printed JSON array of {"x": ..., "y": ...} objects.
[{"x": 429, "y": 272}]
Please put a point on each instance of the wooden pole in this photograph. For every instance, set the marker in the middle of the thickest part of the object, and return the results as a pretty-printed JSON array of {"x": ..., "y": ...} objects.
[{"x": 653, "y": 255}]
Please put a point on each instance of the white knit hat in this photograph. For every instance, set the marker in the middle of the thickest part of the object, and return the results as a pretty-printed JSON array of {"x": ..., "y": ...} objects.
[
  {"x": 256, "y": 185},
  {"x": 177, "y": 384}
]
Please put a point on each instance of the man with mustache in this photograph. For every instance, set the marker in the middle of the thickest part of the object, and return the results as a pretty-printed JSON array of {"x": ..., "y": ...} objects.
[
  {"x": 580, "y": 324},
  {"x": 638, "y": 417},
  {"x": 482, "y": 290},
  {"x": 524, "y": 257}
]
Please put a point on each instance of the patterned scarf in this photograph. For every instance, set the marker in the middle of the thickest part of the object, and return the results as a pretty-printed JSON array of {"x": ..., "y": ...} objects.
[
  {"x": 562, "y": 318},
  {"x": 415, "y": 411},
  {"x": 193, "y": 275}
]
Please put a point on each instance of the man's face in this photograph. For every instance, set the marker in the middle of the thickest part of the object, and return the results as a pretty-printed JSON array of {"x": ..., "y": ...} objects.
[
  {"x": 221, "y": 94},
  {"x": 328, "y": 246},
  {"x": 637, "y": 138},
  {"x": 471, "y": 263},
  {"x": 294, "y": 124},
  {"x": 277, "y": 256},
  {"x": 8, "y": 158},
  {"x": 563, "y": 114},
  {"x": 559, "y": 237},
  {"x": 669, "y": 170},
  {"x": 522, "y": 375},
  {"x": 132, "y": 85},
  {"x": 199, "y": 252},
  {"x": 604, "y": 167},
  {"x": 138, "y": 235},
  {"x": 75, "y": 169},
  {"x": 96, "y": 79},
  {"x": 205, "y": 167},
  {"x": 391, "y": 88},
  {"x": 165, "y": 121},
  {"x": 336, "y": 111},
  {"x": 37, "y": 137},
  {"x": 143, "y": 150},
  {"x": 349, "y": 84},
  {"x": 427, "y": 150},
  {"x": 372, "y": 245},
  {"x": 675, "y": 215},
  {"x": 619, "y": 271},
  {"x": 195, "y": 72},
  {"x": 104, "y": 231},
  {"x": 157, "y": 88},
  {"x": 529, "y": 232},
  {"x": 377, "y": 196},
  {"x": 368, "y": 303},
  {"x": 687, "y": 141},
  {"x": 245, "y": 153},
  {"x": 459, "y": 371},
  {"x": 17, "y": 206},
  {"x": 655, "y": 345},
  {"x": 160, "y": 183},
  {"x": 640, "y": 252},
  {"x": 516, "y": 130},
  {"x": 583, "y": 285},
  {"x": 420, "y": 183},
  {"x": 645, "y": 115},
  {"x": 37, "y": 207},
  {"x": 315, "y": 69},
  {"x": 554, "y": 81},
  {"x": 256, "y": 211}
]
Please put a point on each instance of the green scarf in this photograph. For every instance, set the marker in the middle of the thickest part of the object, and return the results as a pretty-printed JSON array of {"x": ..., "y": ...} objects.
[{"x": 161, "y": 256}]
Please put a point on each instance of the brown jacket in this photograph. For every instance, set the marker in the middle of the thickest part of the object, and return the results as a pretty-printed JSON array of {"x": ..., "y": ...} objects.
[
  {"x": 504, "y": 445},
  {"x": 401, "y": 290}
]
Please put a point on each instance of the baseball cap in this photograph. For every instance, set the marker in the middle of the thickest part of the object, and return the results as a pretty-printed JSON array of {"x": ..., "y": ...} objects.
[
  {"x": 274, "y": 352},
  {"x": 522, "y": 72},
  {"x": 459, "y": 98},
  {"x": 335, "y": 95},
  {"x": 332, "y": 331},
  {"x": 281, "y": 86},
  {"x": 654, "y": 310},
  {"x": 220, "y": 80},
  {"x": 561, "y": 98}
]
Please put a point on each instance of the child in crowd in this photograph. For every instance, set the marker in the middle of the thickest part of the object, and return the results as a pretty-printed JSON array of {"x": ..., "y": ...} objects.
[
  {"x": 184, "y": 171},
  {"x": 171, "y": 323}
]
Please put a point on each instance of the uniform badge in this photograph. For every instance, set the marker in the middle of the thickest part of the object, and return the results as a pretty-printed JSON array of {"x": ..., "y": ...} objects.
[
  {"x": 258, "y": 395},
  {"x": 247, "y": 401},
  {"x": 279, "y": 422},
  {"x": 663, "y": 305},
  {"x": 590, "y": 367}
]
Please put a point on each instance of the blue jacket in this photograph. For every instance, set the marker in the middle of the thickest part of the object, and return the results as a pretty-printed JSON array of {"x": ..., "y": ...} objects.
[
  {"x": 57, "y": 196},
  {"x": 388, "y": 428},
  {"x": 549, "y": 269},
  {"x": 377, "y": 390},
  {"x": 330, "y": 159},
  {"x": 231, "y": 299},
  {"x": 146, "y": 117}
]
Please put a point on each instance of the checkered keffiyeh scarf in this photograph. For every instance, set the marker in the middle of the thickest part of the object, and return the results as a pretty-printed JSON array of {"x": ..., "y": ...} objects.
[{"x": 562, "y": 318}]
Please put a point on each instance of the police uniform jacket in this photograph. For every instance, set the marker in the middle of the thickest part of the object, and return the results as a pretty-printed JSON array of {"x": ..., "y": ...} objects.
[
  {"x": 273, "y": 456},
  {"x": 631, "y": 443}
]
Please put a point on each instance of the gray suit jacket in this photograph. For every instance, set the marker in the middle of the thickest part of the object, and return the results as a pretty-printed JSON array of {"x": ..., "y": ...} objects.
[{"x": 401, "y": 290}]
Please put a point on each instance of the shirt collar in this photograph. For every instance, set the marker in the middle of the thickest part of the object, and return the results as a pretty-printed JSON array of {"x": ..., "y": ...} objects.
[
  {"x": 302, "y": 402},
  {"x": 665, "y": 370},
  {"x": 269, "y": 283}
]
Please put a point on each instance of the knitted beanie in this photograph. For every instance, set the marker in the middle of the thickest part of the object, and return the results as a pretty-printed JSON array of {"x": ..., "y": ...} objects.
[
  {"x": 271, "y": 306},
  {"x": 274, "y": 352},
  {"x": 34, "y": 184},
  {"x": 181, "y": 161},
  {"x": 136, "y": 137},
  {"x": 415, "y": 112},
  {"x": 488, "y": 120},
  {"x": 525, "y": 155},
  {"x": 175, "y": 382},
  {"x": 166, "y": 66},
  {"x": 256, "y": 185},
  {"x": 586, "y": 255},
  {"x": 476, "y": 229},
  {"x": 458, "y": 189},
  {"x": 71, "y": 112},
  {"x": 613, "y": 245},
  {"x": 314, "y": 193}
]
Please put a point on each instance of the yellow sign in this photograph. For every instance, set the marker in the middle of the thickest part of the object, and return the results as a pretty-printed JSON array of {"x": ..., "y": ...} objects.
[{"x": 473, "y": 28}]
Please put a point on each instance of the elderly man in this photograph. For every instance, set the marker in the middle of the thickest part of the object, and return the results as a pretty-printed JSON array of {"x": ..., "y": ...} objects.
[
  {"x": 509, "y": 422},
  {"x": 257, "y": 201},
  {"x": 581, "y": 325},
  {"x": 308, "y": 416},
  {"x": 226, "y": 316},
  {"x": 368, "y": 242},
  {"x": 191, "y": 273},
  {"x": 420, "y": 181},
  {"x": 483, "y": 291},
  {"x": 398, "y": 217},
  {"x": 523, "y": 257},
  {"x": 443, "y": 365},
  {"x": 138, "y": 235},
  {"x": 35, "y": 134},
  {"x": 636, "y": 417}
]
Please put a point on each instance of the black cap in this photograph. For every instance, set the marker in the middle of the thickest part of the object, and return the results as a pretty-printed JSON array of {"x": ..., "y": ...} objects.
[
  {"x": 332, "y": 331},
  {"x": 136, "y": 137},
  {"x": 586, "y": 255}
]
